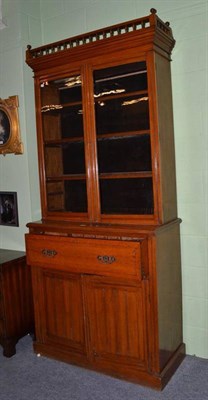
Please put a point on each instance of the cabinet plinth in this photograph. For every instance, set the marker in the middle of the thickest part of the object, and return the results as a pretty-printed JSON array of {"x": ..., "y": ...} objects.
[{"x": 105, "y": 258}]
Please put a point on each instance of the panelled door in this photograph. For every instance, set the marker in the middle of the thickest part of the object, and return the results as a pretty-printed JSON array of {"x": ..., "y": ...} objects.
[
  {"x": 116, "y": 322},
  {"x": 59, "y": 309}
]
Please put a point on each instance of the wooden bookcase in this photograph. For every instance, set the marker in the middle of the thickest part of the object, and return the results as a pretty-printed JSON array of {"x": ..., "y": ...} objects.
[{"x": 105, "y": 257}]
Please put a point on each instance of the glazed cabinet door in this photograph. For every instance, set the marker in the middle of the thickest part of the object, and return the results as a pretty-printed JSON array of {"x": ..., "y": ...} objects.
[
  {"x": 96, "y": 144},
  {"x": 123, "y": 140},
  {"x": 116, "y": 323},
  {"x": 63, "y": 148},
  {"x": 59, "y": 311}
]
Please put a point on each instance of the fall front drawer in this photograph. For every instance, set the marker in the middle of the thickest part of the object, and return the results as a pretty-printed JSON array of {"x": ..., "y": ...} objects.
[{"x": 91, "y": 256}]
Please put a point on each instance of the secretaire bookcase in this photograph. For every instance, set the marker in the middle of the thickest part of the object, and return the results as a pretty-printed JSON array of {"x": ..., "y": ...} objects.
[{"x": 105, "y": 257}]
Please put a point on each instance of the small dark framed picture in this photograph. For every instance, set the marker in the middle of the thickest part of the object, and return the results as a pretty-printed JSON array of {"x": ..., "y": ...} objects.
[{"x": 8, "y": 209}]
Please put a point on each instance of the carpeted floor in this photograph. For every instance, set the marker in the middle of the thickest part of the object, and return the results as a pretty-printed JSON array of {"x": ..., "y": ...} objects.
[{"x": 26, "y": 376}]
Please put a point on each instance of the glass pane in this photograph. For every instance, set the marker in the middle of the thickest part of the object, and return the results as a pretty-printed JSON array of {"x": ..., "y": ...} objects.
[
  {"x": 122, "y": 114},
  {"x": 121, "y": 79},
  {"x": 76, "y": 196},
  {"x": 123, "y": 139},
  {"x": 71, "y": 122},
  {"x": 73, "y": 158},
  {"x": 119, "y": 104},
  {"x": 63, "y": 123},
  {"x": 126, "y": 196},
  {"x": 124, "y": 154},
  {"x": 55, "y": 196},
  {"x": 64, "y": 154},
  {"x": 68, "y": 196},
  {"x": 64, "y": 159},
  {"x": 65, "y": 91},
  {"x": 53, "y": 161},
  {"x": 61, "y": 107},
  {"x": 70, "y": 89}
]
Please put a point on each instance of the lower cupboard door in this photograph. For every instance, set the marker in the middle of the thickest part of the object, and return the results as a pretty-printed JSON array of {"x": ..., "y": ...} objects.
[
  {"x": 60, "y": 320},
  {"x": 116, "y": 324}
]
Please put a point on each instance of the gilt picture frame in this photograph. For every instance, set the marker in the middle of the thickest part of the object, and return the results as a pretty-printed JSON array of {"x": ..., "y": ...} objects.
[
  {"x": 10, "y": 139},
  {"x": 9, "y": 209}
]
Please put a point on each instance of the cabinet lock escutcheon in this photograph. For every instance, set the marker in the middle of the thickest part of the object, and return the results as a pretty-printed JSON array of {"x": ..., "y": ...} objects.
[
  {"x": 49, "y": 253},
  {"x": 106, "y": 259}
]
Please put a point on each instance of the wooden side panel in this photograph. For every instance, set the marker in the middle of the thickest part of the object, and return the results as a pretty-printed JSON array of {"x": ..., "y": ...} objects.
[
  {"x": 166, "y": 137},
  {"x": 116, "y": 323},
  {"x": 59, "y": 311},
  {"x": 2, "y": 328},
  {"x": 17, "y": 298},
  {"x": 169, "y": 292}
]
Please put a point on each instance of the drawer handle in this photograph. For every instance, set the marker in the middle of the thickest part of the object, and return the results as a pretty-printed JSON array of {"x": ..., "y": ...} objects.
[
  {"x": 49, "y": 253},
  {"x": 106, "y": 259}
]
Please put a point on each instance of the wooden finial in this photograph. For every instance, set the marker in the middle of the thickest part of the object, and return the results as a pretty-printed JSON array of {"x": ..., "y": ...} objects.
[
  {"x": 29, "y": 47},
  {"x": 167, "y": 23},
  {"x": 153, "y": 11}
]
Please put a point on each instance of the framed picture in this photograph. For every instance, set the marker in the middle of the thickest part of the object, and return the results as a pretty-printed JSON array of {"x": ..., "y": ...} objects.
[
  {"x": 8, "y": 209},
  {"x": 10, "y": 141}
]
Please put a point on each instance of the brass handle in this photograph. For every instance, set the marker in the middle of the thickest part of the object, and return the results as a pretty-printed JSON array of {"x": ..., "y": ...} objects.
[
  {"x": 106, "y": 259},
  {"x": 49, "y": 253}
]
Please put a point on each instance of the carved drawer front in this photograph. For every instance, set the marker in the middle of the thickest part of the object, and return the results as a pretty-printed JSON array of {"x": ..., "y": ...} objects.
[{"x": 91, "y": 256}]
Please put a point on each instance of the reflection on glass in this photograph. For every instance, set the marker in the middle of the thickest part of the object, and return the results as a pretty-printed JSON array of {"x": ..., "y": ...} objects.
[
  {"x": 61, "y": 106},
  {"x": 124, "y": 78},
  {"x": 113, "y": 116},
  {"x": 121, "y": 99}
]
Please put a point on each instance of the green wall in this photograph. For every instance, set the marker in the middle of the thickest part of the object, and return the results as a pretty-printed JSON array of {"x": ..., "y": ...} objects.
[
  {"x": 40, "y": 21},
  {"x": 18, "y": 173}
]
